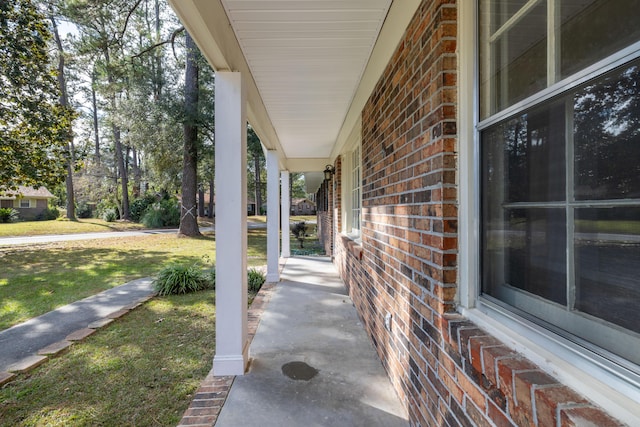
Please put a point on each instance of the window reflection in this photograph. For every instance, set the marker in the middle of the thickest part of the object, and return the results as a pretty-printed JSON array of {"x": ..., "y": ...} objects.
[
  {"x": 607, "y": 251},
  {"x": 607, "y": 137}
]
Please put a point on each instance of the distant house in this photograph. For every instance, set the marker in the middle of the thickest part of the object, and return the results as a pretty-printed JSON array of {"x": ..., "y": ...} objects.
[
  {"x": 302, "y": 206},
  {"x": 28, "y": 201}
]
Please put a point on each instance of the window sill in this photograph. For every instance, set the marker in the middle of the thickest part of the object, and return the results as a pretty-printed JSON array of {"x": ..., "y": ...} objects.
[
  {"x": 353, "y": 244},
  {"x": 554, "y": 356}
]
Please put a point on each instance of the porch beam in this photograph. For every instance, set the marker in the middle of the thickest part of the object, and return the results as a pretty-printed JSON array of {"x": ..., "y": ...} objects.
[
  {"x": 273, "y": 217},
  {"x": 231, "y": 225},
  {"x": 286, "y": 209}
]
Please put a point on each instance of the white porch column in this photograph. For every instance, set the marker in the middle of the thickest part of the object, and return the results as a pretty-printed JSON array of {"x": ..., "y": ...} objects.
[
  {"x": 286, "y": 208},
  {"x": 231, "y": 225},
  {"x": 273, "y": 216}
]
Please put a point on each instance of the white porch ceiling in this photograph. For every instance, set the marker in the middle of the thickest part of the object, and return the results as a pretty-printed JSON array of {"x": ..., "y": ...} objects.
[
  {"x": 307, "y": 58},
  {"x": 310, "y": 65}
]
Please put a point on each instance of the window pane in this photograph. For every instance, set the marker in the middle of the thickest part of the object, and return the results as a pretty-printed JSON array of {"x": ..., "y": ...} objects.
[
  {"x": 525, "y": 157},
  {"x": 607, "y": 137},
  {"x": 514, "y": 56},
  {"x": 607, "y": 251},
  {"x": 594, "y": 29},
  {"x": 525, "y": 249}
]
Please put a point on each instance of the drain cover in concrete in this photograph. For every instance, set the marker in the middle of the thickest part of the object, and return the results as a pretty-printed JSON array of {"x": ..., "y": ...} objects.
[{"x": 299, "y": 371}]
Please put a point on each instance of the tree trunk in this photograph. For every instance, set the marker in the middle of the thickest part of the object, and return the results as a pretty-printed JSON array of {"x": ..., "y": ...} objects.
[
  {"x": 211, "y": 205},
  {"x": 122, "y": 168},
  {"x": 120, "y": 161},
  {"x": 94, "y": 105},
  {"x": 188, "y": 220},
  {"x": 137, "y": 174},
  {"x": 64, "y": 102},
  {"x": 200, "y": 201},
  {"x": 256, "y": 162}
]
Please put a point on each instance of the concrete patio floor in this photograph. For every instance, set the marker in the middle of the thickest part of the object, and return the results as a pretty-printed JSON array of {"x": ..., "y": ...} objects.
[{"x": 311, "y": 319}]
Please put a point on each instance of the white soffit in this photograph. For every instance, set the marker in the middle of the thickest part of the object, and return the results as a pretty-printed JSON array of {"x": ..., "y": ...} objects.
[{"x": 307, "y": 58}]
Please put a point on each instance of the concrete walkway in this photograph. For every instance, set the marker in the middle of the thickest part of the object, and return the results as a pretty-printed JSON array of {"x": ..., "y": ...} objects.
[
  {"x": 26, "y": 345},
  {"x": 312, "y": 363}
]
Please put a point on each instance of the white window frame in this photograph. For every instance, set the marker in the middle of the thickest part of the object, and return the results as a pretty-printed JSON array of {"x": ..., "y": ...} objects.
[
  {"x": 22, "y": 200},
  {"x": 352, "y": 159},
  {"x": 610, "y": 386}
]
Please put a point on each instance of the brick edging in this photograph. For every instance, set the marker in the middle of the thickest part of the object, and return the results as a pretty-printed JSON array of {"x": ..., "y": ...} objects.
[{"x": 213, "y": 391}]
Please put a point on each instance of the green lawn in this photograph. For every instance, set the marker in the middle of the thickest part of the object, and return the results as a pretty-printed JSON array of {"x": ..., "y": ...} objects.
[
  {"x": 63, "y": 226},
  {"x": 141, "y": 370},
  {"x": 37, "y": 279}
]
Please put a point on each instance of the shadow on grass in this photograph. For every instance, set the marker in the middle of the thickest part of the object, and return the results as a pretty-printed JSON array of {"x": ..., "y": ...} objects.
[
  {"x": 140, "y": 370},
  {"x": 35, "y": 281}
]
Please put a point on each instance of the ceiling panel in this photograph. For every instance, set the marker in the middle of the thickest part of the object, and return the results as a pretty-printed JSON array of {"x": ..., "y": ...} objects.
[{"x": 307, "y": 58}]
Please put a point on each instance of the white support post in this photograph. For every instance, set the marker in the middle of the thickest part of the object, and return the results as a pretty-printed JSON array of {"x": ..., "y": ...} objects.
[
  {"x": 231, "y": 225},
  {"x": 286, "y": 208},
  {"x": 273, "y": 217}
]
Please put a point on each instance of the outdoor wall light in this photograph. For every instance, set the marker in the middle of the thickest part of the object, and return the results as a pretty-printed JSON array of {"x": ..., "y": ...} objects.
[{"x": 328, "y": 172}]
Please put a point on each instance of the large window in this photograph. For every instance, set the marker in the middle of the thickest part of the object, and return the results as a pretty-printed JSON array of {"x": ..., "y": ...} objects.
[{"x": 560, "y": 164}]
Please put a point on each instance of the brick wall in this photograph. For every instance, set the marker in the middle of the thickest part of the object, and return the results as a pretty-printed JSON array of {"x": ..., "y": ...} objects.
[{"x": 445, "y": 369}]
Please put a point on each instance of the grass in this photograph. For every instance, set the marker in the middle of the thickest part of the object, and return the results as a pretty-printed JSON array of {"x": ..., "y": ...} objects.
[
  {"x": 38, "y": 279},
  {"x": 64, "y": 226},
  {"x": 141, "y": 370}
]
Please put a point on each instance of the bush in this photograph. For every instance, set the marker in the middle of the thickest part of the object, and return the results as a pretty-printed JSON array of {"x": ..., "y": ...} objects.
[
  {"x": 139, "y": 206},
  {"x": 48, "y": 214},
  {"x": 83, "y": 210},
  {"x": 299, "y": 230},
  {"x": 104, "y": 205},
  {"x": 181, "y": 279},
  {"x": 110, "y": 215},
  {"x": 164, "y": 213},
  {"x": 255, "y": 279},
  {"x": 8, "y": 215}
]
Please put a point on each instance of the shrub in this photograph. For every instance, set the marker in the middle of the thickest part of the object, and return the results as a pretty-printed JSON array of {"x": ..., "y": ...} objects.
[
  {"x": 255, "y": 279},
  {"x": 299, "y": 230},
  {"x": 48, "y": 214},
  {"x": 164, "y": 213},
  {"x": 181, "y": 279},
  {"x": 104, "y": 205},
  {"x": 8, "y": 215},
  {"x": 139, "y": 206},
  {"x": 110, "y": 215},
  {"x": 83, "y": 210}
]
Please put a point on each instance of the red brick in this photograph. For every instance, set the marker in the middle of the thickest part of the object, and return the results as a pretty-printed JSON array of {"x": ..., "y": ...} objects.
[
  {"x": 490, "y": 355},
  {"x": 471, "y": 390},
  {"x": 547, "y": 401},
  {"x": 506, "y": 369},
  {"x": 525, "y": 384},
  {"x": 475, "y": 348},
  {"x": 498, "y": 417},
  {"x": 586, "y": 416},
  {"x": 80, "y": 334}
]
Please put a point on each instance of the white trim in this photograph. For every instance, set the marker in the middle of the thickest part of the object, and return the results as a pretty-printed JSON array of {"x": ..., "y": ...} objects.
[
  {"x": 284, "y": 214},
  {"x": 231, "y": 224},
  {"x": 469, "y": 211},
  {"x": 273, "y": 217},
  {"x": 231, "y": 364},
  {"x": 346, "y": 191}
]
